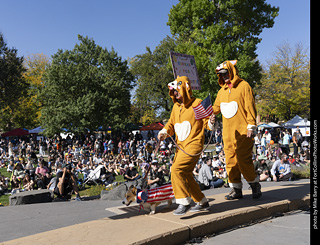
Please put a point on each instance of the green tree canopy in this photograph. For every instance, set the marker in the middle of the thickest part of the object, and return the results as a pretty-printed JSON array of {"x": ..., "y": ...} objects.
[
  {"x": 12, "y": 84},
  {"x": 153, "y": 72},
  {"x": 85, "y": 88},
  {"x": 285, "y": 87},
  {"x": 215, "y": 31}
]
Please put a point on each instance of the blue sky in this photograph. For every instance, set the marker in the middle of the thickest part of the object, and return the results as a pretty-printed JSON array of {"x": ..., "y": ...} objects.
[{"x": 39, "y": 26}]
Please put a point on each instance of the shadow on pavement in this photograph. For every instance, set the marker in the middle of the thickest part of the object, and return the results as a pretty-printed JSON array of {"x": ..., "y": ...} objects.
[{"x": 291, "y": 191}]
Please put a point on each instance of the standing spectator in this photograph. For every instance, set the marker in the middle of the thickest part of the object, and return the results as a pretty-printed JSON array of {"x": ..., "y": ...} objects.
[
  {"x": 257, "y": 142},
  {"x": 97, "y": 146},
  {"x": 42, "y": 144},
  {"x": 263, "y": 145},
  {"x": 297, "y": 140},
  {"x": 10, "y": 149},
  {"x": 23, "y": 148},
  {"x": 268, "y": 138},
  {"x": 286, "y": 142}
]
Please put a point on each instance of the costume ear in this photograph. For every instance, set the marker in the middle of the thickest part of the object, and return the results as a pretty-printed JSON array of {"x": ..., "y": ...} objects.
[{"x": 234, "y": 62}]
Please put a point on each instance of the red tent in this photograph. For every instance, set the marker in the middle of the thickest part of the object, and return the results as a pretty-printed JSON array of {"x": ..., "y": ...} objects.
[
  {"x": 152, "y": 126},
  {"x": 16, "y": 132}
]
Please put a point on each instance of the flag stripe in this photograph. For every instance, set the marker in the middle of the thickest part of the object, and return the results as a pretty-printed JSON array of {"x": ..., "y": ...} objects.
[
  {"x": 161, "y": 193},
  {"x": 204, "y": 109}
]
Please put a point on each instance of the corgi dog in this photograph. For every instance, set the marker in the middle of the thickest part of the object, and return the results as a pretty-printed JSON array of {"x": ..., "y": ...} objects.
[{"x": 151, "y": 198}]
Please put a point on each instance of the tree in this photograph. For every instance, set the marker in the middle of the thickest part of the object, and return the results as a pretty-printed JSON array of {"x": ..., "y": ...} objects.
[
  {"x": 12, "y": 84},
  {"x": 215, "y": 31},
  {"x": 285, "y": 87},
  {"x": 153, "y": 72},
  {"x": 85, "y": 88},
  {"x": 27, "y": 114}
]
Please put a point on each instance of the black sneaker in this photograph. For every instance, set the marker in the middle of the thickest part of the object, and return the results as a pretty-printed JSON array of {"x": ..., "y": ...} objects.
[
  {"x": 256, "y": 190},
  {"x": 181, "y": 210},
  {"x": 235, "y": 193},
  {"x": 199, "y": 207}
]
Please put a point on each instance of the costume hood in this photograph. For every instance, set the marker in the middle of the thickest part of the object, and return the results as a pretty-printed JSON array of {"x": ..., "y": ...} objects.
[
  {"x": 183, "y": 86},
  {"x": 229, "y": 65}
]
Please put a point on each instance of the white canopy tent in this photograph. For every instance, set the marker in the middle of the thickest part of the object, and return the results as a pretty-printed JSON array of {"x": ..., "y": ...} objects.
[{"x": 304, "y": 125}]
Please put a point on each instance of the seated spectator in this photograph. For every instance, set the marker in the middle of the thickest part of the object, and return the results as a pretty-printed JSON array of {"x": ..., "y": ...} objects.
[
  {"x": 216, "y": 162},
  {"x": 299, "y": 160},
  {"x": 281, "y": 169},
  {"x": 42, "y": 175},
  {"x": 110, "y": 173},
  {"x": 156, "y": 175},
  {"x": 123, "y": 166},
  {"x": 29, "y": 168},
  {"x": 2, "y": 162},
  {"x": 196, "y": 170},
  {"x": 206, "y": 179},
  {"x": 28, "y": 183},
  {"x": 131, "y": 173},
  {"x": 66, "y": 183},
  {"x": 3, "y": 184},
  {"x": 291, "y": 160},
  {"x": 10, "y": 166},
  {"x": 262, "y": 168},
  {"x": 17, "y": 176},
  {"x": 52, "y": 184}
]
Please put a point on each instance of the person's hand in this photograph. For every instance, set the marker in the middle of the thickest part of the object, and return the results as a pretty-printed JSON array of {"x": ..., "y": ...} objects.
[
  {"x": 274, "y": 178},
  {"x": 250, "y": 133},
  {"x": 212, "y": 119},
  {"x": 161, "y": 136}
]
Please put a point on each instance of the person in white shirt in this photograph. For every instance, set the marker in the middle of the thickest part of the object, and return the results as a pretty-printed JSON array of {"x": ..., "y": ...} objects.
[
  {"x": 268, "y": 138},
  {"x": 216, "y": 162}
]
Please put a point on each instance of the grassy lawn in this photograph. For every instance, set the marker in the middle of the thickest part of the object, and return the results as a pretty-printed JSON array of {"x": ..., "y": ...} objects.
[
  {"x": 4, "y": 199},
  {"x": 87, "y": 191}
]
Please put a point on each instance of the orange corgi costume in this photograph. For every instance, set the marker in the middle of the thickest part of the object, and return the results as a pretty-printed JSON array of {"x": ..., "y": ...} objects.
[
  {"x": 190, "y": 137},
  {"x": 236, "y": 103}
]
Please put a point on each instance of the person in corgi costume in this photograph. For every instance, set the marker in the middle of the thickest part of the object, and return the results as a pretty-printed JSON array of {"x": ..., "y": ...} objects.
[
  {"x": 189, "y": 137},
  {"x": 235, "y": 101}
]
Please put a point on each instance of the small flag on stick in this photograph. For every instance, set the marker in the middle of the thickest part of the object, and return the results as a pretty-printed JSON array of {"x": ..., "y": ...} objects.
[{"x": 204, "y": 109}]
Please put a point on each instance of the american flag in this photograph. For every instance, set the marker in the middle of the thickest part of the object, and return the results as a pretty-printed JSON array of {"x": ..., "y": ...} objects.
[
  {"x": 157, "y": 194},
  {"x": 204, "y": 109}
]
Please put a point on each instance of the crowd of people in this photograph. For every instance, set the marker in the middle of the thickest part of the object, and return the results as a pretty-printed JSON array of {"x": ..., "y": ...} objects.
[
  {"x": 57, "y": 164},
  {"x": 274, "y": 161},
  {"x": 62, "y": 165}
]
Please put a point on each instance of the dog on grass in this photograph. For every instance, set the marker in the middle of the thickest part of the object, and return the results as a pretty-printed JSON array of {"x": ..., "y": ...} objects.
[{"x": 151, "y": 198}]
